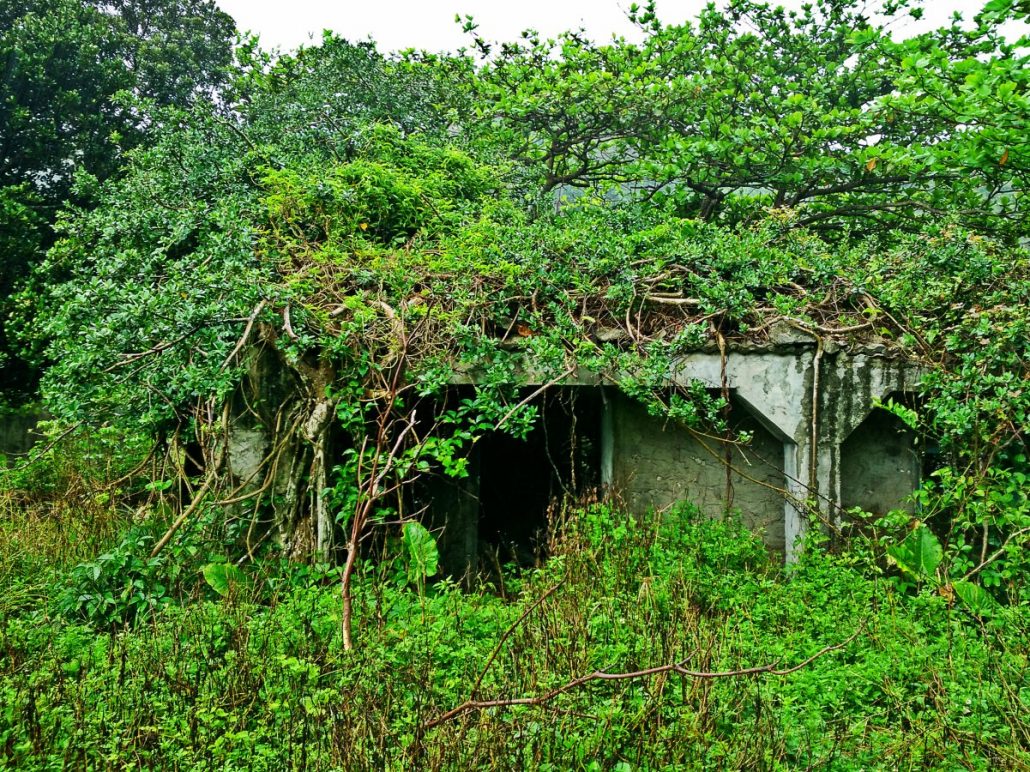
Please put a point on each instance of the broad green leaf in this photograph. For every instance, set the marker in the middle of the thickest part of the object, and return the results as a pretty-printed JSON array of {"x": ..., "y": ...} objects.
[
  {"x": 919, "y": 554},
  {"x": 222, "y": 576},
  {"x": 423, "y": 555},
  {"x": 975, "y": 598}
]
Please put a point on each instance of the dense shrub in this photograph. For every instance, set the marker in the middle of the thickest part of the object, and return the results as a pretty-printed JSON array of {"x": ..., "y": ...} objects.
[{"x": 258, "y": 679}]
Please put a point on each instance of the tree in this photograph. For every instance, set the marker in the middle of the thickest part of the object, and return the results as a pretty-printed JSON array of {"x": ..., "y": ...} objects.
[
  {"x": 64, "y": 65},
  {"x": 78, "y": 87},
  {"x": 339, "y": 226},
  {"x": 980, "y": 100},
  {"x": 199, "y": 250},
  {"x": 753, "y": 107}
]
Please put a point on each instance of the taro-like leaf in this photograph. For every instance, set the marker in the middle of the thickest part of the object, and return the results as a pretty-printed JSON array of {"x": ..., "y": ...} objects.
[
  {"x": 919, "y": 554},
  {"x": 423, "y": 555},
  {"x": 222, "y": 576},
  {"x": 975, "y": 598}
]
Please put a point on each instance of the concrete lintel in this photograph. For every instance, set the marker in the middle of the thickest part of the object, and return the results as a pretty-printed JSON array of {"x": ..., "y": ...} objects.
[
  {"x": 771, "y": 385},
  {"x": 864, "y": 379}
]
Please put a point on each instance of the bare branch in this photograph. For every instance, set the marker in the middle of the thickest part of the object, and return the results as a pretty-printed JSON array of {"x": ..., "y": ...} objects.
[
  {"x": 599, "y": 675},
  {"x": 245, "y": 337}
]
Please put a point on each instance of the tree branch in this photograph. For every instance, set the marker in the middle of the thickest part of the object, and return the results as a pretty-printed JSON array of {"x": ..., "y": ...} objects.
[{"x": 599, "y": 675}]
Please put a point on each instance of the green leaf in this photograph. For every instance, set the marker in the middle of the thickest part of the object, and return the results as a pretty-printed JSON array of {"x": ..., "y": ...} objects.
[
  {"x": 919, "y": 554},
  {"x": 222, "y": 576},
  {"x": 975, "y": 598},
  {"x": 423, "y": 555}
]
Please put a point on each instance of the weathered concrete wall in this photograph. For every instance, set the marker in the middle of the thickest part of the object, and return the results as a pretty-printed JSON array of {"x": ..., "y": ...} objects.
[
  {"x": 807, "y": 403},
  {"x": 879, "y": 465},
  {"x": 849, "y": 384},
  {"x": 802, "y": 399},
  {"x": 811, "y": 397},
  {"x": 657, "y": 463},
  {"x": 17, "y": 432},
  {"x": 246, "y": 450}
]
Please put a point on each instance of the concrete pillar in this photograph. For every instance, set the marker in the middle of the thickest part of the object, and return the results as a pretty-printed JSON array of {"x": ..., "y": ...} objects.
[
  {"x": 812, "y": 402},
  {"x": 793, "y": 517}
]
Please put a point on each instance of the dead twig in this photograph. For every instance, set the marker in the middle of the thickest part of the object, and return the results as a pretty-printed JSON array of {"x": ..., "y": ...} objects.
[
  {"x": 601, "y": 675},
  {"x": 534, "y": 395},
  {"x": 507, "y": 633},
  {"x": 197, "y": 499},
  {"x": 997, "y": 553},
  {"x": 673, "y": 300},
  {"x": 245, "y": 337}
]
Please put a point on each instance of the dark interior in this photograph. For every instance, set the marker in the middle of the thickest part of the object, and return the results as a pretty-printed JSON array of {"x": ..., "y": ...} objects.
[{"x": 520, "y": 479}]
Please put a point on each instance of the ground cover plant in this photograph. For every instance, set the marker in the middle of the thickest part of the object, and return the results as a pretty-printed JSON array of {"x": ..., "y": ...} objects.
[
  {"x": 258, "y": 679},
  {"x": 319, "y": 244}
]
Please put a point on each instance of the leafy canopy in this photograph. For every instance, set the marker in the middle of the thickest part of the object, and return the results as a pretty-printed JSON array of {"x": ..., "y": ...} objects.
[
  {"x": 751, "y": 106},
  {"x": 79, "y": 84}
]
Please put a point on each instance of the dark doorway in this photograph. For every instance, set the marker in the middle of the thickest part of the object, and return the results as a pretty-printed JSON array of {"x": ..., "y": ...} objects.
[
  {"x": 522, "y": 479},
  {"x": 498, "y": 513}
]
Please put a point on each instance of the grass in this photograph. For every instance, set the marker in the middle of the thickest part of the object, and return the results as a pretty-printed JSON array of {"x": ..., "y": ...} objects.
[{"x": 258, "y": 679}]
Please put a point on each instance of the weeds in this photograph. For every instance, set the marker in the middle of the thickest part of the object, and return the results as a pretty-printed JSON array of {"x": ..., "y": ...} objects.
[{"x": 258, "y": 679}]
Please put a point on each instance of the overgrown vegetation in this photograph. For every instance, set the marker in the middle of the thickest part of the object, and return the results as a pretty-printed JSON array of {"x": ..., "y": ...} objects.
[
  {"x": 258, "y": 678},
  {"x": 81, "y": 82},
  {"x": 319, "y": 245}
]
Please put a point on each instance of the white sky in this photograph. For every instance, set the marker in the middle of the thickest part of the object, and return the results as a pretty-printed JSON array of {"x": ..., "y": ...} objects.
[{"x": 430, "y": 25}]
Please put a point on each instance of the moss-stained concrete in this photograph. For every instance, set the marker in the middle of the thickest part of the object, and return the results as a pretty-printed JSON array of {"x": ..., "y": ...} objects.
[
  {"x": 879, "y": 466},
  {"x": 657, "y": 463},
  {"x": 806, "y": 403}
]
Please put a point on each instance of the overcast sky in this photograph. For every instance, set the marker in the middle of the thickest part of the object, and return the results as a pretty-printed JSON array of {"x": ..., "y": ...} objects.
[{"x": 429, "y": 24}]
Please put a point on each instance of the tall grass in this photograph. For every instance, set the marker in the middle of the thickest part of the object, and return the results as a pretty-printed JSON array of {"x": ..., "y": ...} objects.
[{"x": 259, "y": 680}]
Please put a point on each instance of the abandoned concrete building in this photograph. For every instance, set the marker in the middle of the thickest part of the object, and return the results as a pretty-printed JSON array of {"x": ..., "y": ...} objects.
[{"x": 818, "y": 441}]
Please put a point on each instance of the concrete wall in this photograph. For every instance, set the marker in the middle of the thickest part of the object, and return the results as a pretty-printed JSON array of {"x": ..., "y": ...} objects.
[
  {"x": 18, "y": 432},
  {"x": 816, "y": 448},
  {"x": 879, "y": 466},
  {"x": 811, "y": 396},
  {"x": 657, "y": 463},
  {"x": 814, "y": 451}
]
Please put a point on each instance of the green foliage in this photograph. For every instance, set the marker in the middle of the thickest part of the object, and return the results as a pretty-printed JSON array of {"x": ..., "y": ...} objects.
[
  {"x": 81, "y": 83},
  {"x": 919, "y": 554},
  {"x": 259, "y": 680},
  {"x": 422, "y": 555},
  {"x": 223, "y": 577},
  {"x": 65, "y": 63},
  {"x": 410, "y": 265},
  {"x": 978, "y": 600},
  {"x": 373, "y": 229},
  {"x": 750, "y": 106},
  {"x": 117, "y": 586}
]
